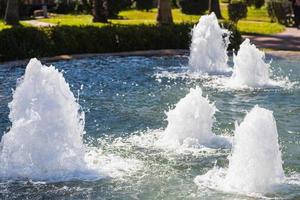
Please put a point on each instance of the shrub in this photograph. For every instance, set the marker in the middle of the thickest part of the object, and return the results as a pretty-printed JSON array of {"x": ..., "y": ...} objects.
[
  {"x": 280, "y": 12},
  {"x": 259, "y": 3},
  {"x": 144, "y": 4},
  {"x": 237, "y": 10},
  {"x": 193, "y": 6},
  {"x": 25, "y": 42},
  {"x": 64, "y": 7},
  {"x": 255, "y": 3},
  {"x": 115, "y": 6},
  {"x": 235, "y": 37},
  {"x": 2, "y": 8}
]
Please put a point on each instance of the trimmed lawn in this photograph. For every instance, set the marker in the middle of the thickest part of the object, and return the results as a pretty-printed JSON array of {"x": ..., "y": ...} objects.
[
  {"x": 129, "y": 17},
  {"x": 4, "y": 26},
  {"x": 257, "y": 21},
  {"x": 252, "y": 14},
  {"x": 259, "y": 28}
]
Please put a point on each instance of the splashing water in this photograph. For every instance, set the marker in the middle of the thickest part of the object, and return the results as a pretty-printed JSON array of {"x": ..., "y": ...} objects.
[
  {"x": 45, "y": 140},
  {"x": 255, "y": 165},
  {"x": 250, "y": 69},
  {"x": 208, "y": 51},
  {"x": 190, "y": 122}
]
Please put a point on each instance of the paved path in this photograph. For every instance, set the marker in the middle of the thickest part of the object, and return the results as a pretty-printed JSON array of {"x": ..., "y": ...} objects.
[
  {"x": 37, "y": 23},
  {"x": 287, "y": 40}
]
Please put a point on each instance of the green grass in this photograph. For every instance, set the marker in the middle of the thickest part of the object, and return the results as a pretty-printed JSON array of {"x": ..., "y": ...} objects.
[
  {"x": 252, "y": 14},
  {"x": 5, "y": 26},
  {"x": 130, "y": 17},
  {"x": 259, "y": 28},
  {"x": 257, "y": 21}
]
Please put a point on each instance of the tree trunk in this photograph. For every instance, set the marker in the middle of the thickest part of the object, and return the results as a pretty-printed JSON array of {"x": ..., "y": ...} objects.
[
  {"x": 214, "y": 6},
  {"x": 164, "y": 15},
  {"x": 12, "y": 12},
  {"x": 100, "y": 11}
]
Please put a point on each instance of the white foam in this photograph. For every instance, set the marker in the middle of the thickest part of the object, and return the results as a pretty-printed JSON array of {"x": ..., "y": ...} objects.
[
  {"x": 45, "y": 141},
  {"x": 255, "y": 165},
  {"x": 250, "y": 68},
  {"x": 111, "y": 165},
  {"x": 208, "y": 50},
  {"x": 190, "y": 123}
]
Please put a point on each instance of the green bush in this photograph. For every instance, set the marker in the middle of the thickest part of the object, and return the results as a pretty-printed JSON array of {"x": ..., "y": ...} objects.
[
  {"x": 26, "y": 42},
  {"x": 144, "y": 4},
  {"x": 64, "y": 7},
  {"x": 259, "y": 3},
  {"x": 195, "y": 7},
  {"x": 235, "y": 37},
  {"x": 237, "y": 10},
  {"x": 256, "y": 3},
  {"x": 2, "y": 8},
  {"x": 115, "y": 6},
  {"x": 280, "y": 12}
]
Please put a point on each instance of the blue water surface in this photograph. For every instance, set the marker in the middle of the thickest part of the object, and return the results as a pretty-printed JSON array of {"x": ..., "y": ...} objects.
[{"x": 125, "y": 96}]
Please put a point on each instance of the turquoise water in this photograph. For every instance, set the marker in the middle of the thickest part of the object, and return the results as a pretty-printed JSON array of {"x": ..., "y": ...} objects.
[{"x": 125, "y": 99}]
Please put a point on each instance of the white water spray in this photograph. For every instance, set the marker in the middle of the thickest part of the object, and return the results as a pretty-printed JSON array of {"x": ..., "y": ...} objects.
[
  {"x": 190, "y": 122},
  {"x": 255, "y": 165},
  {"x": 208, "y": 51},
  {"x": 45, "y": 140},
  {"x": 250, "y": 69}
]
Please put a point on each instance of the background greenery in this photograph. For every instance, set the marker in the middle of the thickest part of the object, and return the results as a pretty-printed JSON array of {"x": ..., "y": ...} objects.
[{"x": 25, "y": 42}]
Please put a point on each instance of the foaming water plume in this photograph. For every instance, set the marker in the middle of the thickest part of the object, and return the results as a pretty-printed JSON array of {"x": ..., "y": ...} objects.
[
  {"x": 255, "y": 166},
  {"x": 45, "y": 141},
  {"x": 250, "y": 68},
  {"x": 190, "y": 123},
  {"x": 208, "y": 51}
]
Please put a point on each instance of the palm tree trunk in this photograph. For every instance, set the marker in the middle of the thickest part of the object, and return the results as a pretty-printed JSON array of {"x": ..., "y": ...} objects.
[
  {"x": 12, "y": 12},
  {"x": 214, "y": 6},
  {"x": 164, "y": 15},
  {"x": 100, "y": 11}
]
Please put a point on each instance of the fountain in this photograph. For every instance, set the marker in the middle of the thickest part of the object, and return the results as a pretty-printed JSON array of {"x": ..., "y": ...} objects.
[
  {"x": 255, "y": 165},
  {"x": 208, "y": 51},
  {"x": 45, "y": 139},
  {"x": 250, "y": 69},
  {"x": 190, "y": 122}
]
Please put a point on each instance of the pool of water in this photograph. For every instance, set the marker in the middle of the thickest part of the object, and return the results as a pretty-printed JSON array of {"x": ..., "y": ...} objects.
[{"x": 125, "y": 100}]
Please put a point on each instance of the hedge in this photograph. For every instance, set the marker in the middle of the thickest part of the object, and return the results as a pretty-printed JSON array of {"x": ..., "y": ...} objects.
[
  {"x": 193, "y": 7},
  {"x": 26, "y": 42}
]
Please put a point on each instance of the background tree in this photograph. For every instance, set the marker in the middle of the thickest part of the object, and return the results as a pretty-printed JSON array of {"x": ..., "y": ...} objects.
[
  {"x": 164, "y": 15},
  {"x": 12, "y": 12},
  {"x": 237, "y": 10},
  {"x": 214, "y": 6},
  {"x": 100, "y": 12}
]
